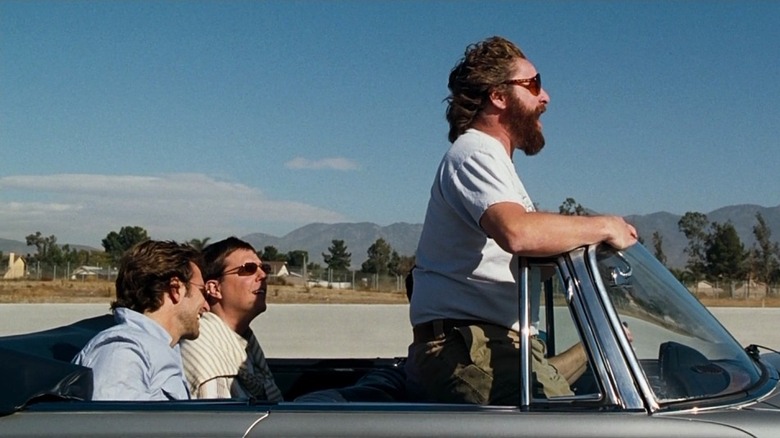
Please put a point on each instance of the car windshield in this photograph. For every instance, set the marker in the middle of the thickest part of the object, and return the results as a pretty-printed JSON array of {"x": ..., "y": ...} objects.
[{"x": 684, "y": 352}]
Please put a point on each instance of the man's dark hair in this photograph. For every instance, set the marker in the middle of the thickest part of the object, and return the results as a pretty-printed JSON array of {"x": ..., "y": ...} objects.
[
  {"x": 484, "y": 67},
  {"x": 146, "y": 270},
  {"x": 215, "y": 254}
]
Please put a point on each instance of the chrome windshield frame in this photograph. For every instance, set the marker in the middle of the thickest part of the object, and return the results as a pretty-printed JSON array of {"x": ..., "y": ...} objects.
[
  {"x": 746, "y": 396},
  {"x": 624, "y": 346}
]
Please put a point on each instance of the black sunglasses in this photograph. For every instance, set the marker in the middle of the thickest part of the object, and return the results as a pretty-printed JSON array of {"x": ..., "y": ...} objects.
[
  {"x": 534, "y": 84},
  {"x": 248, "y": 269}
]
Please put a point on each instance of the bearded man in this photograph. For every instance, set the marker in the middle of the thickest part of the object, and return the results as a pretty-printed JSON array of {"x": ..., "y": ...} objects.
[{"x": 479, "y": 219}]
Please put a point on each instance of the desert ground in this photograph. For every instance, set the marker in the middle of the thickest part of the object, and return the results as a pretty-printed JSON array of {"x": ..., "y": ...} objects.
[{"x": 100, "y": 291}]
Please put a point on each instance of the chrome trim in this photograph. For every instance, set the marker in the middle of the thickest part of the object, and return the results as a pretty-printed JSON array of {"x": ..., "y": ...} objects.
[
  {"x": 524, "y": 311},
  {"x": 628, "y": 355},
  {"x": 597, "y": 309},
  {"x": 583, "y": 320},
  {"x": 252, "y": 426}
]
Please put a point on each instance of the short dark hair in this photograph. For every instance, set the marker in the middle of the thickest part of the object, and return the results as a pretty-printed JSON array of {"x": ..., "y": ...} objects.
[
  {"x": 146, "y": 270},
  {"x": 485, "y": 67},
  {"x": 215, "y": 254}
]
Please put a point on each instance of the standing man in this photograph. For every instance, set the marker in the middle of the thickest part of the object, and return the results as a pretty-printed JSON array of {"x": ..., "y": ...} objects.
[
  {"x": 479, "y": 219},
  {"x": 159, "y": 300},
  {"x": 226, "y": 361}
]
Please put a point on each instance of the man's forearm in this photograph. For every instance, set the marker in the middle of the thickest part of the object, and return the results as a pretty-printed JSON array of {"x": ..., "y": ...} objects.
[{"x": 545, "y": 234}]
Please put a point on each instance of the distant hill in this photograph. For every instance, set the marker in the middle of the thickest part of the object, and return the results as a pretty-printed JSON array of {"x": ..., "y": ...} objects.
[
  {"x": 403, "y": 237},
  {"x": 358, "y": 237},
  {"x": 317, "y": 237},
  {"x": 15, "y": 246},
  {"x": 743, "y": 217}
]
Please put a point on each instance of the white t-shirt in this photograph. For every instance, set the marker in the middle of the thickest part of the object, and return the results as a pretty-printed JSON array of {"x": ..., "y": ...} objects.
[{"x": 461, "y": 272}]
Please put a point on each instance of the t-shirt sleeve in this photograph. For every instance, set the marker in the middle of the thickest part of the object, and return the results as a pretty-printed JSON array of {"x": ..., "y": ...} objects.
[{"x": 479, "y": 182}]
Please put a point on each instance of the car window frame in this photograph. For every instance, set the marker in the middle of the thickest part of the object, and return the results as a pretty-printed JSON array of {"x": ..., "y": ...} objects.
[{"x": 589, "y": 319}]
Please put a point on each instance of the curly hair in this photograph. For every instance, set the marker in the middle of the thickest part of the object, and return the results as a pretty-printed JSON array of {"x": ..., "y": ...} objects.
[
  {"x": 483, "y": 68},
  {"x": 146, "y": 270}
]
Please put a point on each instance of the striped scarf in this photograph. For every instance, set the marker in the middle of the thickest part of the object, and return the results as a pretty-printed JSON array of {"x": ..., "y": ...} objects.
[{"x": 221, "y": 352}]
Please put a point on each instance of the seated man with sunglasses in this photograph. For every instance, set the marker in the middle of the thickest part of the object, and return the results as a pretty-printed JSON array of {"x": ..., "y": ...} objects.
[{"x": 226, "y": 361}]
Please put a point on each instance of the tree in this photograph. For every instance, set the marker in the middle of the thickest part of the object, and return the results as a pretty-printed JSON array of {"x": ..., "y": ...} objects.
[
  {"x": 48, "y": 252},
  {"x": 765, "y": 253},
  {"x": 199, "y": 244},
  {"x": 658, "y": 247},
  {"x": 570, "y": 207},
  {"x": 725, "y": 253},
  {"x": 314, "y": 270},
  {"x": 693, "y": 225},
  {"x": 297, "y": 258},
  {"x": 378, "y": 258},
  {"x": 116, "y": 244},
  {"x": 393, "y": 266},
  {"x": 43, "y": 245},
  {"x": 403, "y": 266},
  {"x": 271, "y": 254},
  {"x": 337, "y": 258}
]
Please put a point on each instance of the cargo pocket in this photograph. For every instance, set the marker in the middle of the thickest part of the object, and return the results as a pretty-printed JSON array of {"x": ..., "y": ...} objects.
[{"x": 476, "y": 375}]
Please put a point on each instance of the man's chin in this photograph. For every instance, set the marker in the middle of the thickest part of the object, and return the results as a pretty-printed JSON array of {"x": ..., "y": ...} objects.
[
  {"x": 191, "y": 336},
  {"x": 260, "y": 306}
]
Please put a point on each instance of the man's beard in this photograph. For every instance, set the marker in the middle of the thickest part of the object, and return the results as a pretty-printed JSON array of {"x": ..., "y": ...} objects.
[
  {"x": 190, "y": 326},
  {"x": 523, "y": 126}
]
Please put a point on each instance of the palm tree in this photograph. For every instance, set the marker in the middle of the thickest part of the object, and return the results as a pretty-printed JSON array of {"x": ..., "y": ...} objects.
[{"x": 199, "y": 244}]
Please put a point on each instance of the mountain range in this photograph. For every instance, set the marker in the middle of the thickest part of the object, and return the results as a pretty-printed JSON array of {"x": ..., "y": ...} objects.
[
  {"x": 402, "y": 237},
  {"x": 743, "y": 217}
]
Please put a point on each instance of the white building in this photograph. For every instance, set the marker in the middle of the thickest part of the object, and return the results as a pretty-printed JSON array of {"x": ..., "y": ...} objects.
[{"x": 16, "y": 267}]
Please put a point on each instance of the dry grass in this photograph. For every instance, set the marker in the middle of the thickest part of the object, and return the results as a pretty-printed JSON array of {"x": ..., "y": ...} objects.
[
  {"x": 741, "y": 302},
  {"x": 65, "y": 291}
]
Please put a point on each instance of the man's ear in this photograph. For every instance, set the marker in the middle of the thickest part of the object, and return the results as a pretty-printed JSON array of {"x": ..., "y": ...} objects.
[
  {"x": 212, "y": 289},
  {"x": 174, "y": 289},
  {"x": 498, "y": 99}
]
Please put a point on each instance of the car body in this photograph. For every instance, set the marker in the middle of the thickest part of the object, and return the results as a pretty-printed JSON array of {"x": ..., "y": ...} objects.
[{"x": 659, "y": 365}]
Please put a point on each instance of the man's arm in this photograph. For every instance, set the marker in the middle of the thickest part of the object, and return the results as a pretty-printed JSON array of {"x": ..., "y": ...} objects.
[
  {"x": 544, "y": 234},
  {"x": 218, "y": 387},
  {"x": 571, "y": 364}
]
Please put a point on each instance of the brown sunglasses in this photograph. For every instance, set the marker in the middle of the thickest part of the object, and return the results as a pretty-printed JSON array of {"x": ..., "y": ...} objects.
[
  {"x": 534, "y": 84},
  {"x": 248, "y": 269}
]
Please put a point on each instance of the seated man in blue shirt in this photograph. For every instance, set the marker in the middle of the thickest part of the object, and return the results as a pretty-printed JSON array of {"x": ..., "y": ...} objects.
[{"x": 159, "y": 301}]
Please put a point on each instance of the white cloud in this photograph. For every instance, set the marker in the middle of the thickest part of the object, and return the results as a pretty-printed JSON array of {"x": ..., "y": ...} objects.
[
  {"x": 83, "y": 208},
  {"x": 336, "y": 163}
]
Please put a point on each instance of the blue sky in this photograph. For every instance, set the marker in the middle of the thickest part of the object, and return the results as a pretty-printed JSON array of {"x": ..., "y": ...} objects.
[{"x": 212, "y": 118}]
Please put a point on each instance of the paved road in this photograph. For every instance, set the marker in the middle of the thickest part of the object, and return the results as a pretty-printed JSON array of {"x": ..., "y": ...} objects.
[
  {"x": 331, "y": 330},
  {"x": 285, "y": 330}
]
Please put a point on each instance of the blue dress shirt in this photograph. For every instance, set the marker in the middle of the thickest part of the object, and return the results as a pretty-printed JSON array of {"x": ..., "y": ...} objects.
[{"x": 134, "y": 360}]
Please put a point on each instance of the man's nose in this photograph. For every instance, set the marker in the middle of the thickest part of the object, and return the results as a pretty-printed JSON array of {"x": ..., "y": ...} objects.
[{"x": 544, "y": 97}]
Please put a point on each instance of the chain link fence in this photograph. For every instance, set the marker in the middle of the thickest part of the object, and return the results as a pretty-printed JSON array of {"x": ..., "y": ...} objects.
[
  {"x": 47, "y": 272},
  {"x": 346, "y": 279}
]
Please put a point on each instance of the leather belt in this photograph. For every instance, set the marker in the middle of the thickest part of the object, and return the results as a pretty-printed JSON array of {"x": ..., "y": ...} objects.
[{"x": 439, "y": 328}]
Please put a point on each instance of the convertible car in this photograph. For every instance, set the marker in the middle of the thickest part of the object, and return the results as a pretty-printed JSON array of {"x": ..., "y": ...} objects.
[{"x": 659, "y": 365}]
